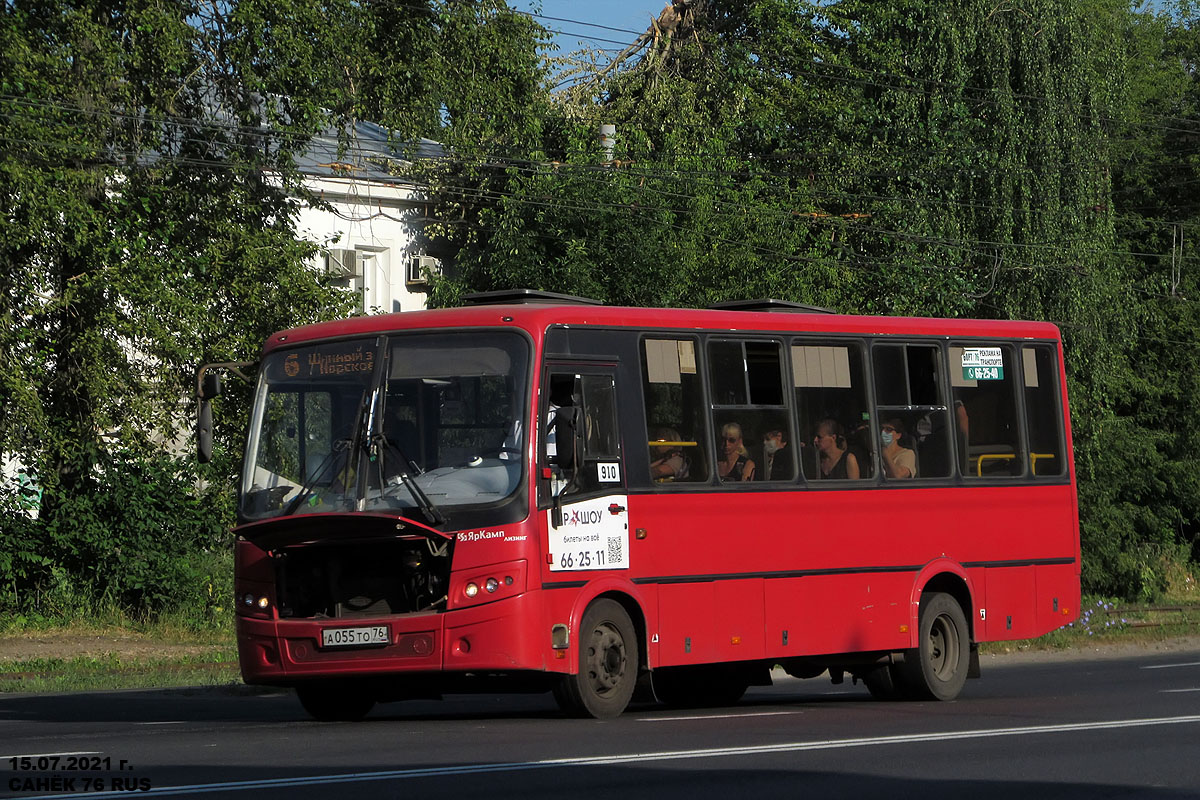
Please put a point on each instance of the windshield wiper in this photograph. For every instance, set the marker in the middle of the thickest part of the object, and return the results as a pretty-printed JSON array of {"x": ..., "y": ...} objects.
[
  {"x": 316, "y": 476},
  {"x": 339, "y": 445},
  {"x": 432, "y": 513}
]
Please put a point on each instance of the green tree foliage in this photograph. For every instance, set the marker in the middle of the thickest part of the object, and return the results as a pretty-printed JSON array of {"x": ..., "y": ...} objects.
[
  {"x": 963, "y": 159},
  {"x": 148, "y": 198},
  {"x": 1150, "y": 477},
  {"x": 1027, "y": 160},
  {"x": 146, "y": 228}
]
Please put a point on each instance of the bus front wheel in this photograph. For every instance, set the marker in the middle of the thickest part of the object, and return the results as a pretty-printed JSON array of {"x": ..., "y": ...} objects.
[
  {"x": 608, "y": 664},
  {"x": 937, "y": 667}
]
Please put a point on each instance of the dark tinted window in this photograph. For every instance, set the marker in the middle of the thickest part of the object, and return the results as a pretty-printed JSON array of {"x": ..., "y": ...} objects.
[
  {"x": 833, "y": 409},
  {"x": 985, "y": 378},
  {"x": 751, "y": 421},
  {"x": 676, "y": 420},
  {"x": 1043, "y": 410},
  {"x": 910, "y": 396}
]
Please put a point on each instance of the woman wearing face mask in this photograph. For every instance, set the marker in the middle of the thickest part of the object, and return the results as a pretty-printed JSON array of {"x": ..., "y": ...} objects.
[
  {"x": 898, "y": 462},
  {"x": 776, "y": 464}
]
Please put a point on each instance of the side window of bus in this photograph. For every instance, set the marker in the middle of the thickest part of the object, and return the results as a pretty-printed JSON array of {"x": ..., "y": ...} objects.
[
  {"x": 1043, "y": 411},
  {"x": 985, "y": 377},
  {"x": 833, "y": 410},
  {"x": 750, "y": 415},
  {"x": 676, "y": 424},
  {"x": 913, "y": 424},
  {"x": 595, "y": 441}
]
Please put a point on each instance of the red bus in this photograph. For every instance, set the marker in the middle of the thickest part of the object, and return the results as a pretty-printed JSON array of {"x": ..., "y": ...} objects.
[{"x": 537, "y": 492}]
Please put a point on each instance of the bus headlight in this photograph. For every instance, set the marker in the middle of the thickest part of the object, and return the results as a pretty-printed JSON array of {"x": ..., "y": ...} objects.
[{"x": 487, "y": 584}]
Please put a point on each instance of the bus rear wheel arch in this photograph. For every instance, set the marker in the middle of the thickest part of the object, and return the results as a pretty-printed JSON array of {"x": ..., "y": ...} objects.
[
  {"x": 937, "y": 667},
  {"x": 608, "y": 666}
]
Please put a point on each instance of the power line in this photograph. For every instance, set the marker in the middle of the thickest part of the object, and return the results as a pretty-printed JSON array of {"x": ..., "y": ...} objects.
[{"x": 970, "y": 245}]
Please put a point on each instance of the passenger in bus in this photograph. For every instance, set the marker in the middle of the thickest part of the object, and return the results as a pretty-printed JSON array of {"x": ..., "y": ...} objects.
[
  {"x": 962, "y": 441},
  {"x": 735, "y": 463},
  {"x": 898, "y": 461},
  {"x": 776, "y": 460},
  {"x": 859, "y": 444},
  {"x": 666, "y": 460},
  {"x": 836, "y": 460}
]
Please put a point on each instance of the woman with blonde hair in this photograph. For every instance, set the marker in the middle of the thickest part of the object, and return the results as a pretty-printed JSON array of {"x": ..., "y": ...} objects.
[{"x": 735, "y": 463}]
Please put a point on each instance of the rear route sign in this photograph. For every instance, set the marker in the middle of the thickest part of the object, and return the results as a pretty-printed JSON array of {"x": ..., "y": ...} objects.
[{"x": 983, "y": 364}]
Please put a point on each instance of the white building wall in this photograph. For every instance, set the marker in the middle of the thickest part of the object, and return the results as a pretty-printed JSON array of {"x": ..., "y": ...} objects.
[{"x": 372, "y": 219}]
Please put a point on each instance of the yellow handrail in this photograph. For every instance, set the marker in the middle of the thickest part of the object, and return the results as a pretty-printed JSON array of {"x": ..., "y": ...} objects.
[
  {"x": 990, "y": 457},
  {"x": 1033, "y": 459}
]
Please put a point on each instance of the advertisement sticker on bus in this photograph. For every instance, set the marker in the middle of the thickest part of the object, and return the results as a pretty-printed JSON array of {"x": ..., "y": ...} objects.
[
  {"x": 594, "y": 535},
  {"x": 983, "y": 364}
]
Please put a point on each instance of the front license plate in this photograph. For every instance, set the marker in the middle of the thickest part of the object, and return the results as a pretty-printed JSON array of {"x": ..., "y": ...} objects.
[{"x": 354, "y": 637}]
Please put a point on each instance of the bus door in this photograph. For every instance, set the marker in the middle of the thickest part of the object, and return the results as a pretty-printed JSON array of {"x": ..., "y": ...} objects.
[{"x": 581, "y": 470}]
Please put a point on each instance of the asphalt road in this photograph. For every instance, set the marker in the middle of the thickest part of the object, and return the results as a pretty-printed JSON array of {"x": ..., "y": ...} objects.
[{"x": 1079, "y": 729}]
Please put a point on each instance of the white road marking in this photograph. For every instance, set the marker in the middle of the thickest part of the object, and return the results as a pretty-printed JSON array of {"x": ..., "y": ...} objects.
[
  {"x": 1169, "y": 691},
  {"x": 52, "y": 755},
  {"x": 631, "y": 758},
  {"x": 172, "y": 722},
  {"x": 1170, "y": 666},
  {"x": 720, "y": 716}
]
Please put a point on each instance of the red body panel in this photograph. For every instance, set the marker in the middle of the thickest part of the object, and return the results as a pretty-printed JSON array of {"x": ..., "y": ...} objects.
[{"x": 719, "y": 575}]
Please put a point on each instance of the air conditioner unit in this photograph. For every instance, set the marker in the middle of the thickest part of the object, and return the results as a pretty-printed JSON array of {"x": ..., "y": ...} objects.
[
  {"x": 344, "y": 263},
  {"x": 419, "y": 268}
]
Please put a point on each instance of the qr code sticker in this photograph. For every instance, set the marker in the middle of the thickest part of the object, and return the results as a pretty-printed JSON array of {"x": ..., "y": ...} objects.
[{"x": 614, "y": 550}]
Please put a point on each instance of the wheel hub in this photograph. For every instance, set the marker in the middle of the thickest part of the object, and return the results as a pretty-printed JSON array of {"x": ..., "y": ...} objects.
[{"x": 606, "y": 658}]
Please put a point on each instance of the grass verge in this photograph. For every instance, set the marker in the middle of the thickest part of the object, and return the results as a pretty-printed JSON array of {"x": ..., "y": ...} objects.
[
  {"x": 1105, "y": 622},
  {"x": 89, "y": 673},
  {"x": 116, "y": 652},
  {"x": 138, "y": 655}
]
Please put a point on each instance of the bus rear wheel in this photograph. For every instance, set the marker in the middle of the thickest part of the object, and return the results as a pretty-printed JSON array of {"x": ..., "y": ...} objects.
[
  {"x": 937, "y": 667},
  {"x": 608, "y": 664},
  {"x": 334, "y": 702}
]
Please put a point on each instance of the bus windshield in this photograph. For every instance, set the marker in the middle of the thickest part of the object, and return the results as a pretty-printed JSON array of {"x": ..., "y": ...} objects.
[{"x": 415, "y": 421}]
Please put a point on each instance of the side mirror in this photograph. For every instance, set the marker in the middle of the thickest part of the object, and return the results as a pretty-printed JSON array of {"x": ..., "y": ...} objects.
[
  {"x": 204, "y": 440},
  {"x": 566, "y": 433},
  {"x": 211, "y": 386},
  {"x": 208, "y": 386}
]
